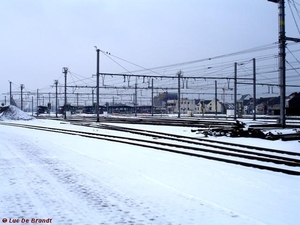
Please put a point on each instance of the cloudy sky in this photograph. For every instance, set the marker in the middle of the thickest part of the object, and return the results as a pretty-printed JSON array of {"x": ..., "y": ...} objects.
[{"x": 40, "y": 37}]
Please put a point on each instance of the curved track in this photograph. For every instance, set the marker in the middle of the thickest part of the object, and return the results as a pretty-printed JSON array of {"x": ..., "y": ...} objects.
[{"x": 239, "y": 154}]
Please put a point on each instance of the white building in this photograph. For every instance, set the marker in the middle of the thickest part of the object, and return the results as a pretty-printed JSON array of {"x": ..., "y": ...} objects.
[
  {"x": 210, "y": 106},
  {"x": 186, "y": 105}
]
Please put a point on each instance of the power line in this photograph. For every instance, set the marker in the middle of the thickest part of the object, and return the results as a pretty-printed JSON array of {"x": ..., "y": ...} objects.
[
  {"x": 293, "y": 67},
  {"x": 251, "y": 50},
  {"x": 293, "y": 16},
  {"x": 293, "y": 55}
]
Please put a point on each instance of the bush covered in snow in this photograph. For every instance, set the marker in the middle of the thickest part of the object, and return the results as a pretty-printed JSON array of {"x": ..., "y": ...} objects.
[{"x": 13, "y": 113}]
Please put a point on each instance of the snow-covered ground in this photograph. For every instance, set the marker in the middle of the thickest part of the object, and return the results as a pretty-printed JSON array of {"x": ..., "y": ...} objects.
[{"x": 66, "y": 179}]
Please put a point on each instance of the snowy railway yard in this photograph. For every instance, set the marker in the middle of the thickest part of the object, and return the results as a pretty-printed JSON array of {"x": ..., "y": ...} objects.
[{"x": 50, "y": 177}]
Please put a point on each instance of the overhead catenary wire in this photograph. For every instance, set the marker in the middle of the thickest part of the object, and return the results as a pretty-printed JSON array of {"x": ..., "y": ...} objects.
[
  {"x": 292, "y": 12},
  {"x": 199, "y": 73}
]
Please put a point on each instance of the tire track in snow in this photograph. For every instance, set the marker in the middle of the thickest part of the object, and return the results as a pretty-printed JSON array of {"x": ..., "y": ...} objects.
[
  {"x": 32, "y": 195},
  {"x": 66, "y": 192},
  {"x": 188, "y": 207},
  {"x": 76, "y": 193}
]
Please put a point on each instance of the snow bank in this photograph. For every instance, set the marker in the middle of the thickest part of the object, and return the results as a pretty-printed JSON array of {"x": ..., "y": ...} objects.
[{"x": 13, "y": 113}]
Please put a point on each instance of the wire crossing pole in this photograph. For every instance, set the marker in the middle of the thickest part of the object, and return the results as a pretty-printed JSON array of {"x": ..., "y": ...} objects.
[
  {"x": 10, "y": 95},
  {"x": 32, "y": 105},
  {"x": 254, "y": 89},
  {"x": 65, "y": 71},
  {"x": 22, "y": 87},
  {"x": 37, "y": 101},
  {"x": 235, "y": 89},
  {"x": 282, "y": 68},
  {"x": 56, "y": 83},
  {"x": 282, "y": 73},
  {"x": 93, "y": 101},
  {"x": 135, "y": 99},
  {"x": 216, "y": 96},
  {"x": 152, "y": 100},
  {"x": 282, "y": 54},
  {"x": 179, "y": 76},
  {"x": 97, "y": 89}
]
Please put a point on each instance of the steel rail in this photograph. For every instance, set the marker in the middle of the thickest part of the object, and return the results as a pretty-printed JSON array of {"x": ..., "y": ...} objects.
[
  {"x": 195, "y": 140},
  {"x": 141, "y": 142}
]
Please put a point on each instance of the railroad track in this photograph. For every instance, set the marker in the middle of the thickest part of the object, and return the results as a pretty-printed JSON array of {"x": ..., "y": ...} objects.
[
  {"x": 194, "y": 140},
  {"x": 276, "y": 160},
  {"x": 219, "y": 127},
  {"x": 170, "y": 121}
]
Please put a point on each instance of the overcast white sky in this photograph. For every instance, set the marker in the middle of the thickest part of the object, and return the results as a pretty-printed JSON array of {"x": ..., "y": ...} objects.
[{"x": 39, "y": 37}]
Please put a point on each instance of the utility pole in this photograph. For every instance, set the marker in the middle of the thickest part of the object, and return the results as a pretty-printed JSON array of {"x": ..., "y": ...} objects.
[
  {"x": 135, "y": 99},
  {"x": 282, "y": 43},
  {"x": 32, "y": 105},
  {"x": 22, "y": 87},
  {"x": 178, "y": 95},
  {"x": 37, "y": 100},
  {"x": 65, "y": 71},
  {"x": 97, "y": 74},
  {"x": 254, "y": 89},
  {"x": 282, "y": 68},
  {"x": 56, "y": 83},
  {"x": 152, "y": 100},
  {"x": 93, "y": 107},
  {"x": 235, "y": 89},
  {"x": 49, "y": 104},
  {"x": 216, "y": 96},
  {"x": 10, "y": 95},
  {"x": 77, "y": 99}
]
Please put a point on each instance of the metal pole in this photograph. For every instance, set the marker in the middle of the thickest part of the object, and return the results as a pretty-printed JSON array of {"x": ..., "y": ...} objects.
[
  {"x": 65, "y": 71},
  {"x": 178, "y": 96},
  {"x": 93, "y": 107},
  {"x": 254, "y": 89},
  {"x": 10, "y": 94},
  {"x": 56, "y": 83},
  {"x": 152, "y": 100},
  {"x": 37, "y": 100},
  {"x": 32, "y": 105},
  {"x": 97, "y": 75},
  {"x": 77, "y": 99},
  {"x": 49, "y": 104},
  {"x": 216, "y": 95},
  {"x": 22, "y": 86},
  {"x": 235, "y": 89},
  {"x": 282, "y": 75},
  {"x": 135, "y": 100}
]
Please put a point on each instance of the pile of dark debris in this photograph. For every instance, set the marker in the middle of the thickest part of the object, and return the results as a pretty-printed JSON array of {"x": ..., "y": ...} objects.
[{"x": 240, "y": 129}]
